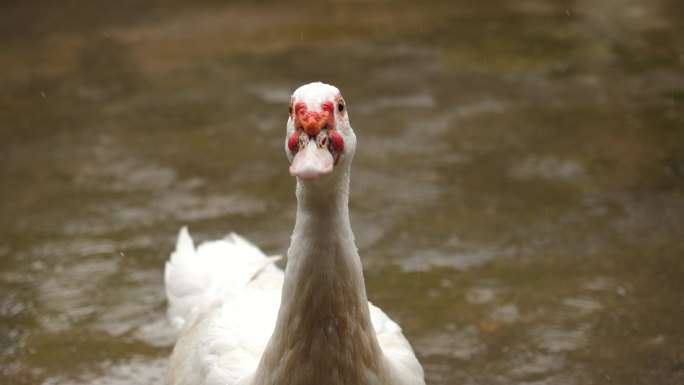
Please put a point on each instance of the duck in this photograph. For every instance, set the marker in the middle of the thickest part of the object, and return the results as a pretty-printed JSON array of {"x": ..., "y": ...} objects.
[{"x": 242, "y": 320}]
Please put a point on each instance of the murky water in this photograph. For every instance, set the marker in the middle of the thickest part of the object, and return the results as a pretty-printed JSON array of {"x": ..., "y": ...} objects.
[{"x": 517, "y": 194}]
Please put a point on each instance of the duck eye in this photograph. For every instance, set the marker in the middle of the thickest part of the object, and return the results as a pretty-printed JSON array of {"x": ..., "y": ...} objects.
[
  {"x": 290, "y": 109},
  {"x": 340, "y": 106}
]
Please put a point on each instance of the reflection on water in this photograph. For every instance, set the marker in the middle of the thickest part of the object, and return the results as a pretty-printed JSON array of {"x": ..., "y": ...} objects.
[{"x": 516, "y": 195}]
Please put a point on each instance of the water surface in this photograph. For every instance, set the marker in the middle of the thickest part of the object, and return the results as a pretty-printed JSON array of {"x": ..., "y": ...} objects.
[{"x": 516, "y": 194}]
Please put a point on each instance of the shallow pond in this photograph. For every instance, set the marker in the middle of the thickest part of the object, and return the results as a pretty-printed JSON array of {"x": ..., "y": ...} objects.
[{"x": 517, "y": 194}]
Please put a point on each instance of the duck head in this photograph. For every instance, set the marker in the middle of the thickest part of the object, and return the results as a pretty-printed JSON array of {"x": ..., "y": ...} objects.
[{"x": 319, "y": 139}]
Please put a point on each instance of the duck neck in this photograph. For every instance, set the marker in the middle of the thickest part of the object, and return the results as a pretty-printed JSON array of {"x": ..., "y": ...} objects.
[{"x": 323, "y": 333}]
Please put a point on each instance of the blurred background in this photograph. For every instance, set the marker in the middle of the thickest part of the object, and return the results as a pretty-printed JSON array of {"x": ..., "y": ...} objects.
[{"x": 517, "y": 193}]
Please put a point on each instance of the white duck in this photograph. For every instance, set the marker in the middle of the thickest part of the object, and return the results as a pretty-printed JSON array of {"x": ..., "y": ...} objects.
[{"x": 243, "y": 321}]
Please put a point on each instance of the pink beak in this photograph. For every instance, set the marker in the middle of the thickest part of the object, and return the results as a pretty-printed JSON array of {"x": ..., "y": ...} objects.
[{"x": 312, "y": 162}]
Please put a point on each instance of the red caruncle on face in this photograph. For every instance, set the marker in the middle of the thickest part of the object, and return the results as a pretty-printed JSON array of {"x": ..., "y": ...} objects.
[{"x": 310, "y": 123}]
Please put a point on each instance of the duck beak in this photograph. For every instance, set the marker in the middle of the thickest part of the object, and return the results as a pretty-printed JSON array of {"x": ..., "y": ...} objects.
[{"x": 312, "y": 162}]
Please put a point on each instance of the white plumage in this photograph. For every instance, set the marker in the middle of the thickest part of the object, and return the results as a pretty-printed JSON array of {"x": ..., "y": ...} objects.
[{"x": 242, "y": 320}]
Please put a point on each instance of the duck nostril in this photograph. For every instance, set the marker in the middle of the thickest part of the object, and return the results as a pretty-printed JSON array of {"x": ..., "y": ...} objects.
[
  {"x": 323, "y": 141},
  {"x": 303, "y": 140}
]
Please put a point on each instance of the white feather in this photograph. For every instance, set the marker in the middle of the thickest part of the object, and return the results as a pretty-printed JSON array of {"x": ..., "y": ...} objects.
[{"x": 193, "y": 277}]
